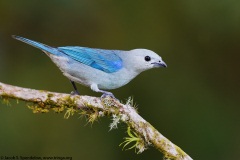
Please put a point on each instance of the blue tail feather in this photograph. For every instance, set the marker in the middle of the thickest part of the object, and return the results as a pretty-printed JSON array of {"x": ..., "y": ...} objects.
[{"x": 38, "y": 45}]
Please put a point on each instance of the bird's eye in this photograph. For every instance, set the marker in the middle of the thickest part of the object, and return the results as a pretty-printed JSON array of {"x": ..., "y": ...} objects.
[{"x": 147, "y": 58}]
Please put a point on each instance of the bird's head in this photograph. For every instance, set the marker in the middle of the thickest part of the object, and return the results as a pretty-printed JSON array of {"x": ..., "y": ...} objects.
[{"x": 143, "y": 59}]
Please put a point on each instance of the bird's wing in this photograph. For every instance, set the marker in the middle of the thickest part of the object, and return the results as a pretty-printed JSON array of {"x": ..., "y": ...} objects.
[{"x": 104, "y": 60}]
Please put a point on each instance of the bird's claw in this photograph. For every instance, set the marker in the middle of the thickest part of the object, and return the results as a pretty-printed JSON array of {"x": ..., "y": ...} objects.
[
  {"x": 74, "y": 93},
  {"x": 108, "y": 94}
]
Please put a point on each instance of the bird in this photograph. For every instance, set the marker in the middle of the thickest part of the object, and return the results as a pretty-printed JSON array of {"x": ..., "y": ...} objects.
[{"x": 100, "y": 69}]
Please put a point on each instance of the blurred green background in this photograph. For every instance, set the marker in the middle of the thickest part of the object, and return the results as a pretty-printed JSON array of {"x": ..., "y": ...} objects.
[{"x": 194, "y": 102}]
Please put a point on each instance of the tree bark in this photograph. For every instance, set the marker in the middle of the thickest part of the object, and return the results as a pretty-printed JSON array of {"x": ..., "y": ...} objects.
[{"x": 140, "y": 131}]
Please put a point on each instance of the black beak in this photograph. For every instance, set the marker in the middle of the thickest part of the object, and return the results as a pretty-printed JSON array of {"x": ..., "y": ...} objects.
[{"x": 159, "y": 64}]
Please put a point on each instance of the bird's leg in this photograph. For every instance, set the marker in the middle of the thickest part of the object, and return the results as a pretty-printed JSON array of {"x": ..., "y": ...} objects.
[
  {"x": 75, "y": 92},
  {"x": 95, "y": 88},
  {"x": 105, "y": 94}
]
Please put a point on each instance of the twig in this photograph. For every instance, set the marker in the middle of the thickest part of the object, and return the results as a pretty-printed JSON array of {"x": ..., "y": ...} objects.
[{"x": 142, "y": 132}]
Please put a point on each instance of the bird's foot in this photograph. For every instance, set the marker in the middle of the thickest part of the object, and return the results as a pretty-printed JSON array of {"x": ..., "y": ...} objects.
[
  {"x": 107, "y": 94},
  {"x": 74, "y": 93},
  {"x": 109, "y": 99}
]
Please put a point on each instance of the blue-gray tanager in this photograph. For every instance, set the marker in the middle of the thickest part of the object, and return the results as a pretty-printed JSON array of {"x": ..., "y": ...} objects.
[{"x": 99, "y": 68}]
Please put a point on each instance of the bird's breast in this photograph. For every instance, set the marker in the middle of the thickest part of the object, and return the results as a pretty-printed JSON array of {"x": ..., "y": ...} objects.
[{"x": 116, "y": 79}]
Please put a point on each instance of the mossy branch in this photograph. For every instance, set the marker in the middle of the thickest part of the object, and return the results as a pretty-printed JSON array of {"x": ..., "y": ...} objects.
[{"x": 139, "y": 130}]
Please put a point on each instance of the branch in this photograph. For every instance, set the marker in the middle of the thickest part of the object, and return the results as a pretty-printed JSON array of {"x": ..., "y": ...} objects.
[{"x": 139, "y": 131}]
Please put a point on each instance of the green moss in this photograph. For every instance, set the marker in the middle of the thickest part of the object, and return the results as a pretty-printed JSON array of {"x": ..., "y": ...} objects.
[
  {"x": 110, "y": 107},
  {"x": 167, "y": 157},
  {"x": 181, "y": 153},
  {"x": 37, "y": 109},
  {"x": 67, "y": 103},
  {"x": 91, "y": 113},
  {"x": 139, "y": 143},
  {"x": 163, "y": 144},
  {"x": 49, "y": 95},
  {"x": 6, "y": 101},
  {"x": 7, "y": 97},
  {"x": 69, "y": 112}
]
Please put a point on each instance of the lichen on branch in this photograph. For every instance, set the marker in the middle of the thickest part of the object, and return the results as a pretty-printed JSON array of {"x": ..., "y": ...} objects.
[{"x": 139, "y": 130}]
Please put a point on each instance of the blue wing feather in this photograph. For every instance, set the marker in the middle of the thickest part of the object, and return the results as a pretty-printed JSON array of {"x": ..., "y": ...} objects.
[
  {"x": 38, "y": 45},
  {"x": 104, "y": 60}
]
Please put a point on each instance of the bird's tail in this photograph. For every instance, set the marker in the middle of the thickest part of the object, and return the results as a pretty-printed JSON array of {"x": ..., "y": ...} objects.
[{"x": 38, "y": 45}]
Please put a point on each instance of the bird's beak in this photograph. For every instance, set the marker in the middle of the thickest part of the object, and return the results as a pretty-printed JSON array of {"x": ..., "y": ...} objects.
[{"x": 159, "y": 64}]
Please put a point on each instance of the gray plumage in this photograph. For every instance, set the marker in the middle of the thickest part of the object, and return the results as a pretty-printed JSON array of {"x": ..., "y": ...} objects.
[{"x": 99, "y": 69}]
